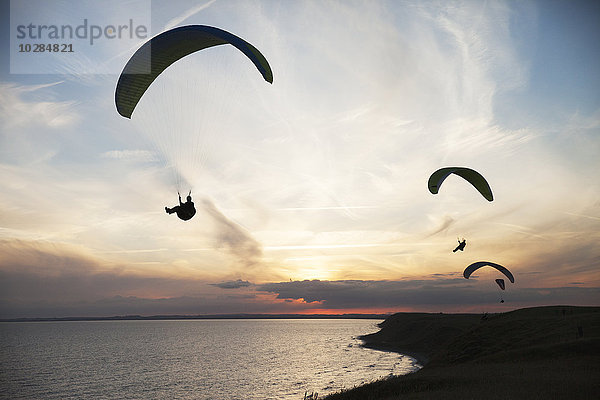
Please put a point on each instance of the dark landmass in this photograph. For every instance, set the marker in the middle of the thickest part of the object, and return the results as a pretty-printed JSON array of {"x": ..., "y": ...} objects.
[
  {"x": 211, "y": 316},
  {"x": 533, "y": 353}
]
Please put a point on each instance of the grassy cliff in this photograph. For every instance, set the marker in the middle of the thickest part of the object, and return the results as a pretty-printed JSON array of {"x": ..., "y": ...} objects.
[{"x": 533, "y": 353}]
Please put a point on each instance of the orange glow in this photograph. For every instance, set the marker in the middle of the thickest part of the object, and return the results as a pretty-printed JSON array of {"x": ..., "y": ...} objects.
[{"x": 326, "y": 311}]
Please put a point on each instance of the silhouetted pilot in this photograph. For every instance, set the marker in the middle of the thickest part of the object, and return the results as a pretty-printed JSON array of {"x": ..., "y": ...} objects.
[
  {"x": 461, "y": 246},
  {"x": 185, "y": 211}
]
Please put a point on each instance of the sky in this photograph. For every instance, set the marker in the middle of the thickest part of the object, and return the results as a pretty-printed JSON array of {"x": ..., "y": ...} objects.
[{"x": 311, "y": 191}]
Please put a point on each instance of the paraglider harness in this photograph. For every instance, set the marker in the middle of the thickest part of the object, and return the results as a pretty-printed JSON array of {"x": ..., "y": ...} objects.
[{"x": 185, "y": 211}]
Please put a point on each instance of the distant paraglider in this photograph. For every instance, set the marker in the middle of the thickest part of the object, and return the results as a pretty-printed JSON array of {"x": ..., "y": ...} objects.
[
  {"x": 500, "y": 282},
  {"x": 461, "y": 245},
  {"x": 473, "y": 177},
  {"x": 501, "y": 285},
  {"x": 158, "y": 53}
]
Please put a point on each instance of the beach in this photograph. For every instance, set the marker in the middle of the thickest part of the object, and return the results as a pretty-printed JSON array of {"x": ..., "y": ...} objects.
[{"x": 532, "y": 353}]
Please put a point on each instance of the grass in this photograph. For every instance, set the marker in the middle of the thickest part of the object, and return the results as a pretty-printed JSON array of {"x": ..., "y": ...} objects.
[{"x": 533, "y": 353}]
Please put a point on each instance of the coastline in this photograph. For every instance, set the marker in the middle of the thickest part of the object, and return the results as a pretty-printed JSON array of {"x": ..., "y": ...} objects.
[
  {"x": 533, "y": 353},
  {"x": 420, "y": 358},
  {"x": 419, "y": 335}
]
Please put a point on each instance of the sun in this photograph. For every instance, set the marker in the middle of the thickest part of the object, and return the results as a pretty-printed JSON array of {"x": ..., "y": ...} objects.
[{"x": 308, "y": 268}]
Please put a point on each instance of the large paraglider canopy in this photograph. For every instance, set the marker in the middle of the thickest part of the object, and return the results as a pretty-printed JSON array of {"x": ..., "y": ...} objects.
[
  {"x": 475, "y": 266},
  {"x": 473, "y": 177},
  {"x": 183, "y": 90},
  {"x": 161, "y": 51}
]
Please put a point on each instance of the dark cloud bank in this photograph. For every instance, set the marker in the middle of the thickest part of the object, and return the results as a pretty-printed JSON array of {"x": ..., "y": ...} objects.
[
  {"x": 45, "y": 280},
  {"x": 232, "y": 284},
  {"x": 441, "y": 294},
  {"x": 87, "y": 294}
]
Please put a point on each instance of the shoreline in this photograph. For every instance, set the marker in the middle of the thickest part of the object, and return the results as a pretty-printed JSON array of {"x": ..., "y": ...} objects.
[
  {"x": 420, "y": 358},
  {"x": 419, "y": 335}
]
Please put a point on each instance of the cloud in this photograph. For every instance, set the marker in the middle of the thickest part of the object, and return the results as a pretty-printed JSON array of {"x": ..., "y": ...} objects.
[
  {"x": 189, "y": 13},
  {"x": 44, "y": 279},
  {"x": 19, "y": 108},
  {"x": 32, "y": 126},
  {"x": 134, "y": 155},
  {"x": 443, "y": 226},
  {"x": 238, "y": 241},
  {"x": 232, "y": 284},
  {"x": 440, "y": 294},
  {"x": 135, "y": 305}
]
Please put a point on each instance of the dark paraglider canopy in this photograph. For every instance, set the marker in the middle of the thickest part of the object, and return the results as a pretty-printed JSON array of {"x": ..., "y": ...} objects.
[
  {"x": 475, "y": 266},
  {"x": 473, "y": 177},
  {"x": 161, "y": 51}
]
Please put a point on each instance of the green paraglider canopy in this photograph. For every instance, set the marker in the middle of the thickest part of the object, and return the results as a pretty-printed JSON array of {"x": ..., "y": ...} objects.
[
  {"x": 473, "y": 177},
  {"x": 475, "y": 266},
  {"x": 160, "y": 52}
]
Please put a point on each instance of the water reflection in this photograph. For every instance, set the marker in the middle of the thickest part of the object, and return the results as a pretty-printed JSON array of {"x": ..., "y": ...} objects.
[{"x": 190, "y": 359}]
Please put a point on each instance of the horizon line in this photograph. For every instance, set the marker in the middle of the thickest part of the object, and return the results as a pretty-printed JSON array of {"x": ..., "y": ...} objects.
[{"x": 135, "y": 317}]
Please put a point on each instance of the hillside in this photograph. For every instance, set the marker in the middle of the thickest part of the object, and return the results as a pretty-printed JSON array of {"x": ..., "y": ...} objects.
[
  {"x": 534, "y": 353},
  {"x": 420, "y": 335}
]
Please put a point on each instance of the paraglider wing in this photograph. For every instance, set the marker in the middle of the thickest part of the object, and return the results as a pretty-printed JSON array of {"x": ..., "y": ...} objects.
[
  {"x": 473, "y": 177},
  {"x": 475, "y": 266},
  {"x": 500, "y": 283},
  {"x": 161, "y": 51}
]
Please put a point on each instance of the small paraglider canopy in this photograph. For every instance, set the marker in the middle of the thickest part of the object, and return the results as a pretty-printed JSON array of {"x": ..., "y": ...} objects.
[
  {"x": 473, "y": 177},
  {"x": 475, "y": 266},
  {"x": 161, "y": 51}
]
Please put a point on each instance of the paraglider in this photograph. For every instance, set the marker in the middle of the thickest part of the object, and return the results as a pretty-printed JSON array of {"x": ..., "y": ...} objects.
[
  {"x": 161, "y": 51},
  {"x": 500, "y": 282},
  {"x": 473, "y": 177},
  {"x": 461, "y": 245},
  {"x": 185, "y": 211},
  {"x": 183, "y": 148}
]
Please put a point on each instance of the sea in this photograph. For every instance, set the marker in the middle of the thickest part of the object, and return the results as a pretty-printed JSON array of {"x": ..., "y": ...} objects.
[{"x": 219, "y": 359}]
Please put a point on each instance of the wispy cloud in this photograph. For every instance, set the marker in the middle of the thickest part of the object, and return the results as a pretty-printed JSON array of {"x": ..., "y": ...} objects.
[
  {"x": 135, "y": 155},
  {"x": 238, "y": 241},
  {"x": 19, "y": 108},
  {"x": 189, "y": 13},
  {"x": 443, "y": 225}
]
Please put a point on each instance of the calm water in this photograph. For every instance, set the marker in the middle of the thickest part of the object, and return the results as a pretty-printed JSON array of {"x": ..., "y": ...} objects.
[{"x": 189, "y": 359}]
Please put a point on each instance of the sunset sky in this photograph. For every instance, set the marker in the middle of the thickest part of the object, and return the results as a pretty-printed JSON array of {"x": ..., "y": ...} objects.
[{"x": 311, "y": 191}]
